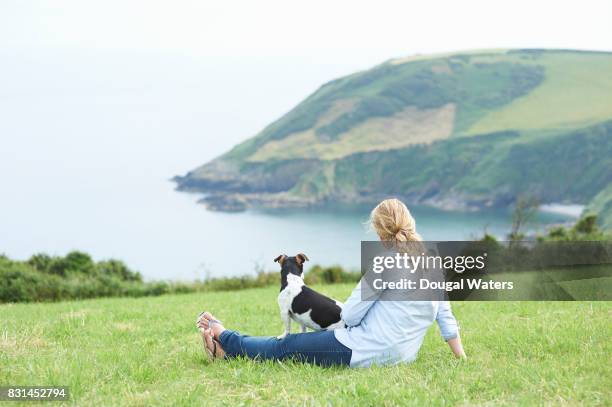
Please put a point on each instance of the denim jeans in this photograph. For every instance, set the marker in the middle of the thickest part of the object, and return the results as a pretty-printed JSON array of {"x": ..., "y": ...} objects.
[{"x": 320, "y": 348}]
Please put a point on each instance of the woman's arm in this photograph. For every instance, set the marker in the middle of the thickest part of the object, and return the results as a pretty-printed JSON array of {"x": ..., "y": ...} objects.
[
  {"x": 355, "y": 309},
  {"x": 449, "y": 329},
  {"x": 457, "y": 347}
]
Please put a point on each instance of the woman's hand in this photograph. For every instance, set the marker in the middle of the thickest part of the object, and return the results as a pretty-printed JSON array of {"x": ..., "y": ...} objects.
[{"x": 457, "y": 347}]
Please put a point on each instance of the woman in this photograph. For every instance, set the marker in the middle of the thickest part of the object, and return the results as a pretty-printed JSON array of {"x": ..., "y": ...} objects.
[{"x": 378, "y": 332}]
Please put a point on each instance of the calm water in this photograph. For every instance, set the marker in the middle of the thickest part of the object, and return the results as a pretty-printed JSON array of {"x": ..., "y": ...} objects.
[
  {"x": 89, "y": 141},
  {"x": 166, "y": 235}
]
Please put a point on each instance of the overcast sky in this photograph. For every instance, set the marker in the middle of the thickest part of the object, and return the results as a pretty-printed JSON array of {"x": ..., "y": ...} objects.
[
  {"x": 231, "y": 67},
  {"x": 103, "y": 101},
  {"x": 354, "y": 29}
]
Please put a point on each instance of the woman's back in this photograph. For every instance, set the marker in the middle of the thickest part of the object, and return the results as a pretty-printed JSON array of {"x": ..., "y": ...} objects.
[{"x": 387, "y": 332}]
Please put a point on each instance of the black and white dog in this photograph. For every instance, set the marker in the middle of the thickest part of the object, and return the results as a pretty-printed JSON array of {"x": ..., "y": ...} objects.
[{"x": 304, "y": 305}]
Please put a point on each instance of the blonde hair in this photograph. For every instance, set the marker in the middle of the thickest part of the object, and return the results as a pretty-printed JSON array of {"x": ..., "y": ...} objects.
[{"x": 392, "y": 221}]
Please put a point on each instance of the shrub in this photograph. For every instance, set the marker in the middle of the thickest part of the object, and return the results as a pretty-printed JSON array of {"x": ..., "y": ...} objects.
[
  {"x": 585, "y": 229},
  {"x": 119, "y": 269},
  {"x": 40, "y": 262},
  {"x": 73, "y": 262},
  {"x": 77, "y": 276},
  {"x": 330, "y": 275}
]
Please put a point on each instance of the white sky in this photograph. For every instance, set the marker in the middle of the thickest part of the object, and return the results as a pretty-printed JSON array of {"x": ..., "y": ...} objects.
[
  {"x": 102, "y": 101},
  {"x": 354, "y": 29}
]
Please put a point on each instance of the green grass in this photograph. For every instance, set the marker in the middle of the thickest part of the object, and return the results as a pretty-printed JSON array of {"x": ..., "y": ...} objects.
[
  {"x": 572, "y": 94},
  {"x": 146, "y": 351}
]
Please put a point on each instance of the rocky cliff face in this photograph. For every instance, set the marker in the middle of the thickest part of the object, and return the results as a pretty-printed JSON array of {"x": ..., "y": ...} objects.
[{"x": 232, "y": 187}]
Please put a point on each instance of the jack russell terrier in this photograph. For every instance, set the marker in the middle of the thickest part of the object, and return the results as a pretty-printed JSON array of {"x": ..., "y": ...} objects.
[{"x": 304, "y": 305}]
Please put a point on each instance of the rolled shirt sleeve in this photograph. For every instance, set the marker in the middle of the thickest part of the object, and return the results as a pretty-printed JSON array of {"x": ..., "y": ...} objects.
[
  {"x": 449, "y": 329},
  {"x": 355, "y": 309}
]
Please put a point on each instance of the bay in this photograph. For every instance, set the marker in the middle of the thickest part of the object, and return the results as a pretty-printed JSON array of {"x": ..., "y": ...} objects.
[{"x": 89, "y": 141}]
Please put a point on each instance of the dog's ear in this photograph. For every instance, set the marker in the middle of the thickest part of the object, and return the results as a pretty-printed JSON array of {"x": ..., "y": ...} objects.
[
  {"x": 280, "y": 259},
  {"x": 301, "y": 258}
]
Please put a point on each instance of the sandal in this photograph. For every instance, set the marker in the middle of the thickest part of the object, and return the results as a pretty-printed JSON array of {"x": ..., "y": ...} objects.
[
  {"x": 212, "y": 354},
  {"x": 210, "y": 321}
]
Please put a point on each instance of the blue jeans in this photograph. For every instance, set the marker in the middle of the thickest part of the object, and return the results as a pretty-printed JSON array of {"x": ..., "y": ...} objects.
[{"x": 320, "y": 348}]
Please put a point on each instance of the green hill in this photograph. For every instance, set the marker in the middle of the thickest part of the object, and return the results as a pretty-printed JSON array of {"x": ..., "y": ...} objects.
[{"x": 455, "y": 131}]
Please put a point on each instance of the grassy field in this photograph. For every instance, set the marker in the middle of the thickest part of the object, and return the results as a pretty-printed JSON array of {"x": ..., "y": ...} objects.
[
  {"x": 147, "y": 351},
  {"x": 568, "y": 98},
  {"x": 407, "y": 127}
]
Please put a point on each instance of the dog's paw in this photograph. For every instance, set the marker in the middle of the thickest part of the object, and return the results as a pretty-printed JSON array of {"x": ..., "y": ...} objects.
[{"x": 282, "y": 336}]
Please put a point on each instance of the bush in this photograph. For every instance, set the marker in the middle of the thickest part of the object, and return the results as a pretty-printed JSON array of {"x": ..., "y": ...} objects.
[
  {"x": 74, "y": 262},
  {"x": 330, "y": 275},
  {"x": 261, "y": 279},
  {"x": 40, "y": 262},
  {"x": 585, "y": 229},
  {"x": 119, "y": 269},
  {"x": 77, "y": 276}
]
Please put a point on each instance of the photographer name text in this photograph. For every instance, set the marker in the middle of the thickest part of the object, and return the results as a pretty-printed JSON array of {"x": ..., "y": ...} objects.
[{"x": 425, "y": 284}]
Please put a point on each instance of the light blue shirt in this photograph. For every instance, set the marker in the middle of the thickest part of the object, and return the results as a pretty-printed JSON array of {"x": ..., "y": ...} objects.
[{"x": 390, "y": 332}]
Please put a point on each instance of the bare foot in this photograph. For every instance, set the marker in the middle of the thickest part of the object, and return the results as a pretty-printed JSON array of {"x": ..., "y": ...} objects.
[
  {"x": 213, "y": 348},
  {"x": 207, "y": 321}
]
